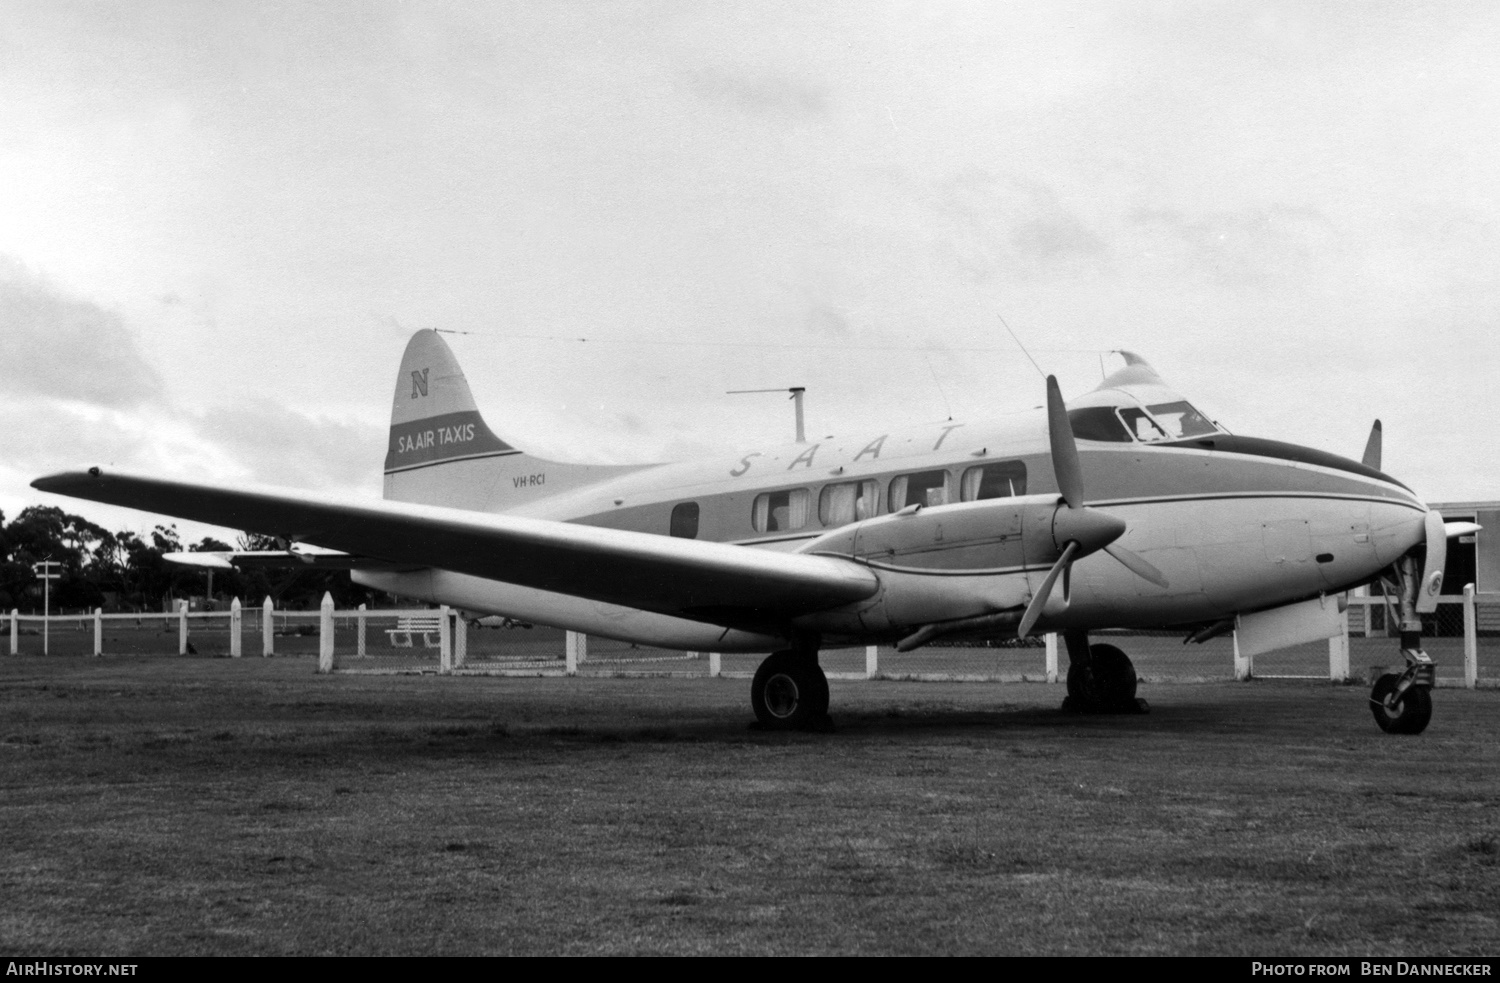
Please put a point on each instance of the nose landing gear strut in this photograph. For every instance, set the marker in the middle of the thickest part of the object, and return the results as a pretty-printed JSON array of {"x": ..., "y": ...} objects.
[{"x": 1402, "y": 702}]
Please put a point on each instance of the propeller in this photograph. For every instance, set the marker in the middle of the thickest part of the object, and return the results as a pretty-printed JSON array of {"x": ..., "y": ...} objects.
[{"x": 1082, "y": 530}]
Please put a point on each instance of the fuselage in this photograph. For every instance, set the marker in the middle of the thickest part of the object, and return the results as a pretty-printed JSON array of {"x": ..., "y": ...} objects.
[{"x": 1235, "y": 524}]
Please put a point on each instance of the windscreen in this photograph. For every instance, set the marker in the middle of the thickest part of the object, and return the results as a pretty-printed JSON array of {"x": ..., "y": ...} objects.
[{"x": 1181, "y": 420}]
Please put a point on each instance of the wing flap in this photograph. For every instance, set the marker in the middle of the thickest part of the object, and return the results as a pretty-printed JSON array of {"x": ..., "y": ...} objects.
[{"x": 680, "y": 577}]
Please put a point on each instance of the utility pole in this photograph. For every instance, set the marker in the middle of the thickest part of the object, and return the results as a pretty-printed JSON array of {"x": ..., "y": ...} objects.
[{"x": 45, "y": 570}]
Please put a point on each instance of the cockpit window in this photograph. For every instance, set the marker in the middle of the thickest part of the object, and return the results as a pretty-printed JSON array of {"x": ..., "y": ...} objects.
[
  {"x": 1181, "y": 420},
  {"x": 1098, "y": 423},
  {"x": 1141, "y": 424},
  {"x": 1164, "y": 421}
]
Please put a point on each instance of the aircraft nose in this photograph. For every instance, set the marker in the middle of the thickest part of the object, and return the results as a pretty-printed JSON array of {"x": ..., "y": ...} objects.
[
  {"x": 1091, "y": 529},
  {"x": 1395, "y": 530}
]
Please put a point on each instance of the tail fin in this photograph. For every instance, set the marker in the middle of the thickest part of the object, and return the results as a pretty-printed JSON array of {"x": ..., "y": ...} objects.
[{"x": 441, "y": 452}]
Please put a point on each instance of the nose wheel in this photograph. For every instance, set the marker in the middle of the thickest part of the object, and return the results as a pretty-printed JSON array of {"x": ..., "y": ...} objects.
[
  {"x": 790, "y": 692},
  {"x": 1402, "y": 702}
]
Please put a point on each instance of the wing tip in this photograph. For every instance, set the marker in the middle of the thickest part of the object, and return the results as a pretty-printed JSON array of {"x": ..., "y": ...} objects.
[{"x": 62, "y": 480}]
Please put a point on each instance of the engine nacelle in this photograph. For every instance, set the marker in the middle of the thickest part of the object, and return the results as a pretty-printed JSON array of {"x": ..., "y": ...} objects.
[{"x": 942, "y": 563}]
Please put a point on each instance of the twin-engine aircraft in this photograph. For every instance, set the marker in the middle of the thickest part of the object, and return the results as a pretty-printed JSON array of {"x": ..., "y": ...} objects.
[{"x": 1126, "y": 508}]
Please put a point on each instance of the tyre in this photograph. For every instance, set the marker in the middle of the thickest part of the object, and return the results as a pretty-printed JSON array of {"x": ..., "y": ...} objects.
[
  {"x": 1080, "y": 684},
  {"x": 820, "y": 685},
  {"x": 1114, "y": 677},
  {"x": 789, "y": 692},
  {"x": 1408, "y": 715},
  {"x": 1105, "y": 685}
]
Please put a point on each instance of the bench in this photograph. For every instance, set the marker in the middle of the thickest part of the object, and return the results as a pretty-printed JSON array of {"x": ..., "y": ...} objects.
[{"x": 429, "y": 628}]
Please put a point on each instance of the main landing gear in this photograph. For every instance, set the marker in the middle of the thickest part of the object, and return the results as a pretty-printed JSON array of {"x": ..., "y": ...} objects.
[
  {"x": 1402, "y": 702},
  {"x": 790, "y": 692},
  {"x": 1101, "y": 678}
]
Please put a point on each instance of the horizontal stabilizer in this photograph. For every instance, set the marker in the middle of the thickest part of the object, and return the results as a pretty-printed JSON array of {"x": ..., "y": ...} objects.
[{"x": 702, "y": 581}]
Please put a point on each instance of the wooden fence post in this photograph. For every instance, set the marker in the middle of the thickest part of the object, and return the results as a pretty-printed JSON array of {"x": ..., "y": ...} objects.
[
  {"x": 445, "y": 639},
  {"x": 872, "y": 661},
  {"x": 182, "y": 629},
  {"x": 98, "y": 631},
  {"x": 267, "y": 628},
  {"x": 359, "y": 638},
  {"x": 1471, "y": 639},
  {"x": 15, "y": 625},
  {"x": 1338, "y": 651},
  {"x": 236, "y": 624},
  {"x": 325, "y": 633},
  {"x": 460, "y": 640},
  {"x": 1051, "y": 641},
  {"x": 575, "y": 650},
  {"x": 715, "y": 664}
]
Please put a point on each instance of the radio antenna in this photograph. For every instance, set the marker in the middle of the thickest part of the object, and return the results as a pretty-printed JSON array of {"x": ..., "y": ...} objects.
[
  {"x": 1022, "y": 347},
  {"x": 933, "y": 372}
]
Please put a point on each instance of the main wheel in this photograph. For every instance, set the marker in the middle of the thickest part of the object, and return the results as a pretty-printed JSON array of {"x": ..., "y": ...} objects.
[
  {"x": 1114, "y": 677},
  {"x": 1105, "y": 684},
  {"x": 1408, "y": 715},
  {"x": 789, "y": 692},
  {"x": 820, "y": 682}
]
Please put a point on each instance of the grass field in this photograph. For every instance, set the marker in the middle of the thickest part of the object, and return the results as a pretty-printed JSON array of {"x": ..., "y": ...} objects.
[{"x": 162, "y": 805}]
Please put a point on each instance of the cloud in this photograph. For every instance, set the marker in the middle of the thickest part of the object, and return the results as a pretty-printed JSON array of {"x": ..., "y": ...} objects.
[
  {"x": 276, "y": 445},
  {"x": 1272, "y": 245},
  {"x": 102, "y": 364},
  {"x": 764, "y": 95},
  {"x": 1000, "y": 225}
]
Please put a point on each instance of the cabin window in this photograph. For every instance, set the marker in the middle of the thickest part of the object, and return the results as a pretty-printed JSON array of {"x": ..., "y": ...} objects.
[
  {"x": 1181, "y": 420},
  {"x": 1005, "y": 479},
  {"x": 923, "y": 488},
  {"x": 848, "y": 501},
  {"x": 780, "y": 511},
  {"x": 1098, "y": 423},
  {"x": 1141, "y": 424},
  {"x": 685, "y": 520}
]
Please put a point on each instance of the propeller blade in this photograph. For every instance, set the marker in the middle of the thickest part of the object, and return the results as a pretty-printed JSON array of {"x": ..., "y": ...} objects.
[
  {"x": 1039, "y": 599},
  {"x": 1372, "y": 448},
  {"x": 1137, "y": 565},
  {"x": 1064, "y": 450}
]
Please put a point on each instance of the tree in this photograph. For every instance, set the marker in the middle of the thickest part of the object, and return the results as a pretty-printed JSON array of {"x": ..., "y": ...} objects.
[
  {"x": 45, "y": 532},
  {"x": 97, "y": 563}
]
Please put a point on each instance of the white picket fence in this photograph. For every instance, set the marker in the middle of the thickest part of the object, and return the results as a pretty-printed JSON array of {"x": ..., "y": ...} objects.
[{"x": 1369, "y": 616}]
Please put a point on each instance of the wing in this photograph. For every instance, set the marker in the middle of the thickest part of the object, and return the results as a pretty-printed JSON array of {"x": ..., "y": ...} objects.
[
  {"x": 295, "y": 556},
  {"x": 713, "y": 582}
]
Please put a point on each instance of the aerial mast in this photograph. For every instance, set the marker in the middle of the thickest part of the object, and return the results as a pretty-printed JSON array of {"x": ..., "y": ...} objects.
[{"x": 797, "y": 393}]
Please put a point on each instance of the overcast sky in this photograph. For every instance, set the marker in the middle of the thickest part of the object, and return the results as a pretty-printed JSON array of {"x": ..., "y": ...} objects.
[{"x": 220, "y": 222}]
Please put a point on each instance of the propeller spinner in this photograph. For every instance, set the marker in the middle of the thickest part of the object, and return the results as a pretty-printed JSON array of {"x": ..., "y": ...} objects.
[{"x": 1082, "y": 530}]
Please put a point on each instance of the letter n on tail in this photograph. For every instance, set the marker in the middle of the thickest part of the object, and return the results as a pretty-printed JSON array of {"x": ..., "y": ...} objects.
[{"x": 419, "y": 384}]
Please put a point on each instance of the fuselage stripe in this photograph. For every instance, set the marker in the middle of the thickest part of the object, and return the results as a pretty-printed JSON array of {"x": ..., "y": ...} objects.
[{"x": 450, "y": 460}]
